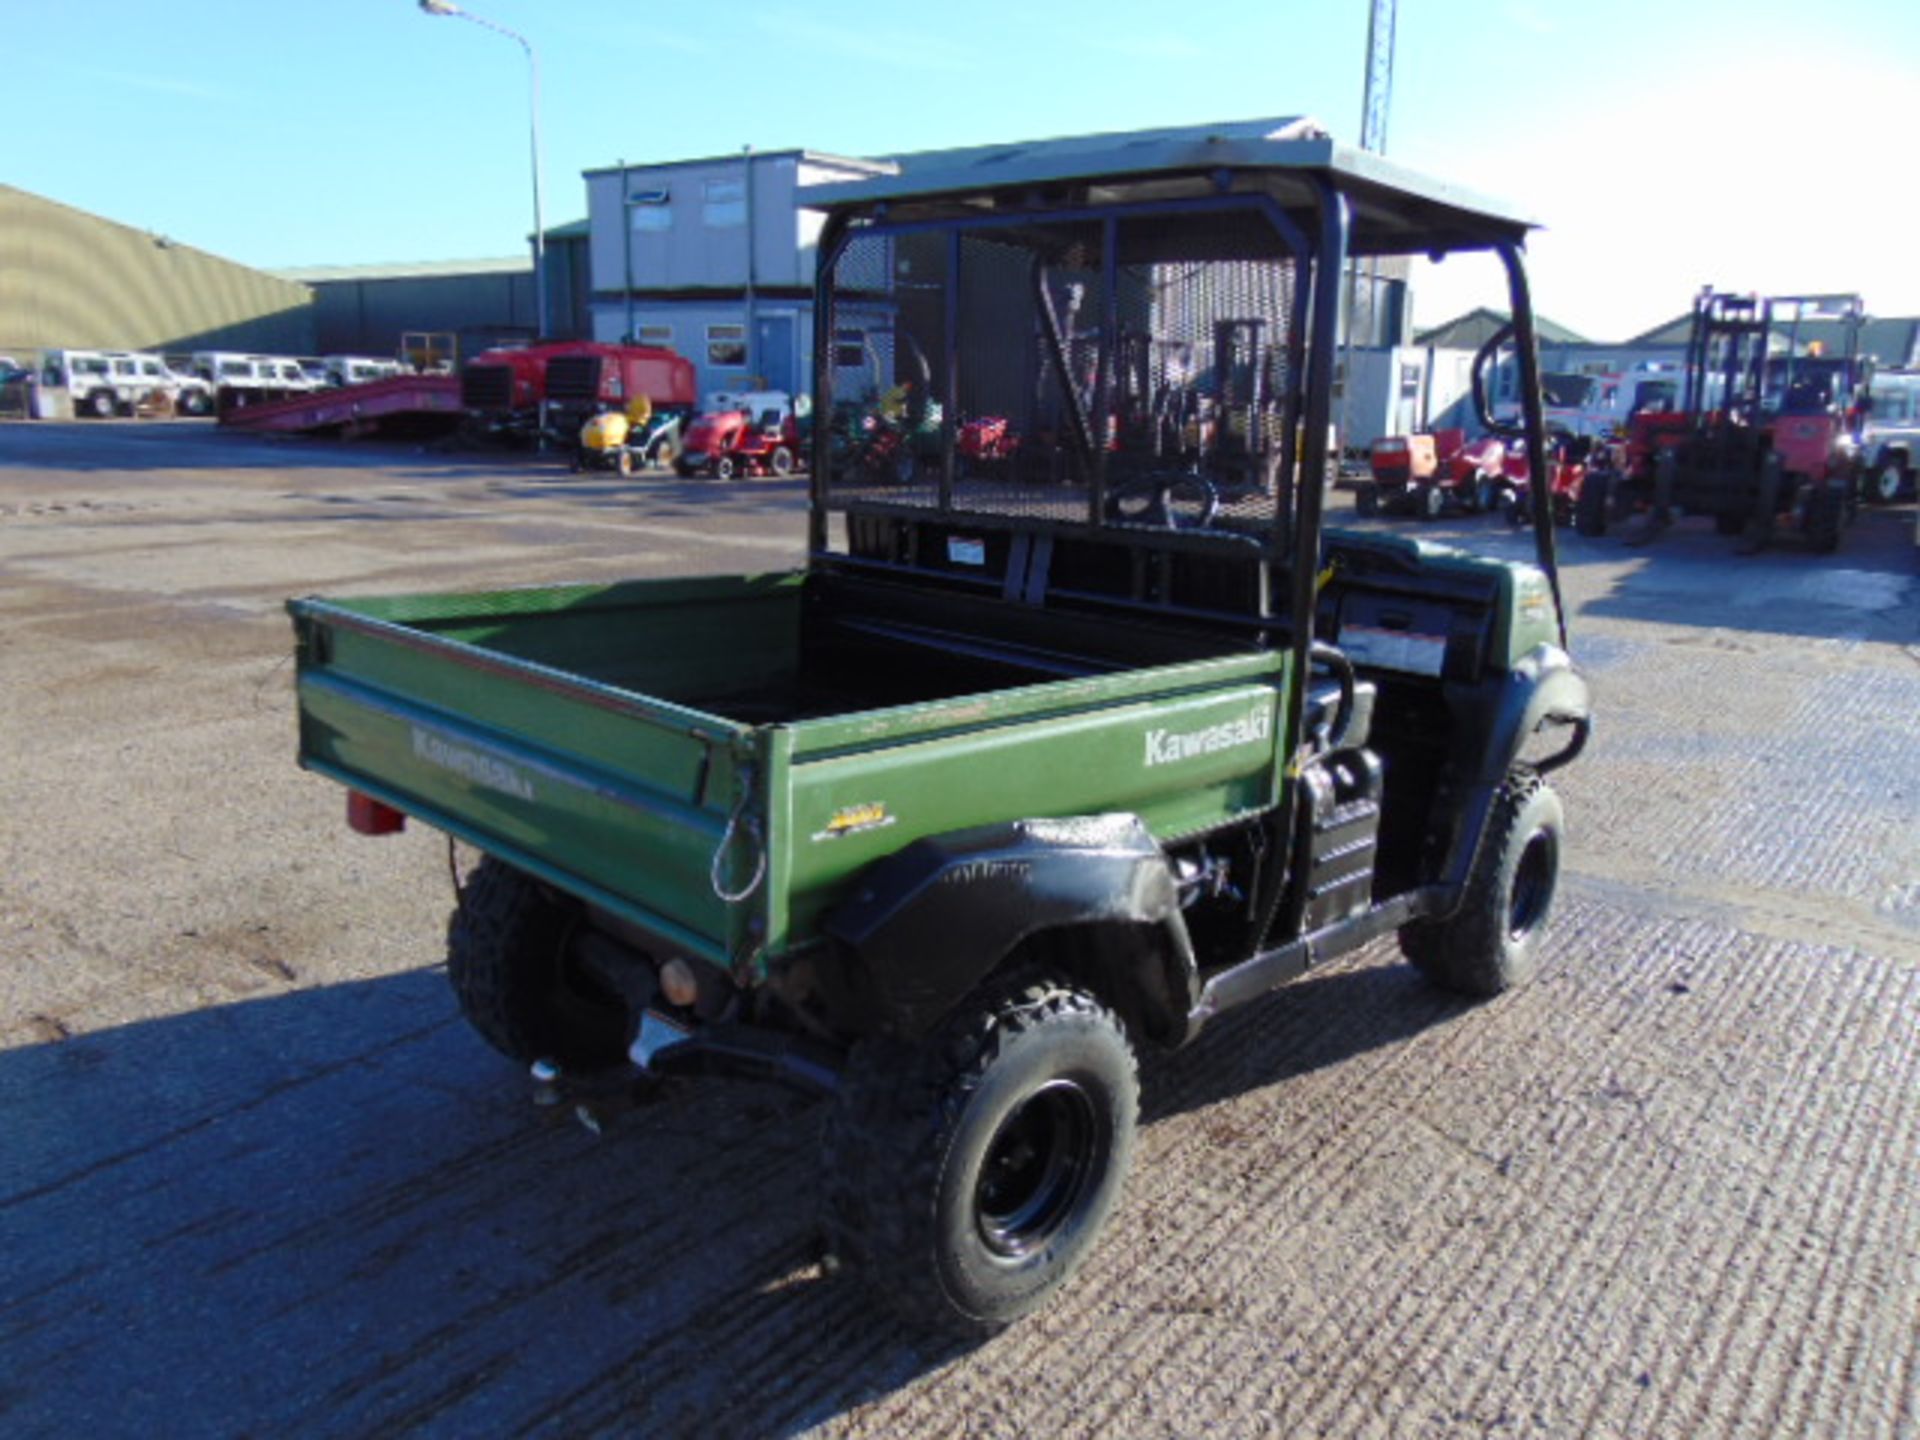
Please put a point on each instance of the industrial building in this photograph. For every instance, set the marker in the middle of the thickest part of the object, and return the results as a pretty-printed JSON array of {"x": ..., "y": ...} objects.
[
  {"x": 367, "y": 309},
  {"x": 69, "y": 279},
  {"x": 714, "y": 258}
]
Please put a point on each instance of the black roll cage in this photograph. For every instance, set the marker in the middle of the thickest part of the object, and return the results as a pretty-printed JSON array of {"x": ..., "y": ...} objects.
[{"x": 1296, "y": 538}]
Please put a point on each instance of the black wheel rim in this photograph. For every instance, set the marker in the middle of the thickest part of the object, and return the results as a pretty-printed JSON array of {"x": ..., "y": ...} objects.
[
  {"x": 1039, "y": 1166},
  {"x": 1532, "y": 885}
]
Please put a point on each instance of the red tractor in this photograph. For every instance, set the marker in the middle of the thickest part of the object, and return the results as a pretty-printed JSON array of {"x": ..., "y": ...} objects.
[
  {"x": 1765, "y": 439},
  {"x": 756, "y": 433}
]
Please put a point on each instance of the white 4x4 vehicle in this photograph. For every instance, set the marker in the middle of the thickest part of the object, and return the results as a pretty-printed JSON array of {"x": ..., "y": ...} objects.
[
  {"x": 225, "y": 370},
  {"x": 151, "y": 375},
  {"x": 87, "y": 375},
  {"x": 1890, "y": 438},
  {"x": 359, "y": 369}
]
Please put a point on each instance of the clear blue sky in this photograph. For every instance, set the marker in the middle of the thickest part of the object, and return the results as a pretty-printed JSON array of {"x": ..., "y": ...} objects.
[{"x": 362, "y": 130}]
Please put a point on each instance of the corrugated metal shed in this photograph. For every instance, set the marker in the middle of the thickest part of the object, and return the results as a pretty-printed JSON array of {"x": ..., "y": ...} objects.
[
  {"x": 1891, "y": 342},
  {"x": 1473, "y": 329},
  {"x": 75, "y": 280},
  {"x": 364, "y": 309}
]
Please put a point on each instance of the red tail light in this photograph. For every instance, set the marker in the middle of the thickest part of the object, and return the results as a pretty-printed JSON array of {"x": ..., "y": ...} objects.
[{"x": 368, "y": 816}]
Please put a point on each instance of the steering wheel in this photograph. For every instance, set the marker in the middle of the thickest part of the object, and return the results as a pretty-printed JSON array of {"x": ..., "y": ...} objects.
[{"x": 1148, "y": 500}]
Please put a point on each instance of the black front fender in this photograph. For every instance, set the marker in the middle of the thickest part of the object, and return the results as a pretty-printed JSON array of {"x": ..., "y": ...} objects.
[
  {"x": 1542, "y": 691},
  {"x": 928, "y": 923}
]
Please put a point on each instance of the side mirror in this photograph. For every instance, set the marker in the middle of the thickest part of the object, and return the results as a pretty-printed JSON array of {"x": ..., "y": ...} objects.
[{"x": 1482, "y": 362}]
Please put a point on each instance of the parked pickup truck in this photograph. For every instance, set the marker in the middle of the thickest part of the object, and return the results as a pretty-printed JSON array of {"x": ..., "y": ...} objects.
[{"x": 1018, "y": 773}]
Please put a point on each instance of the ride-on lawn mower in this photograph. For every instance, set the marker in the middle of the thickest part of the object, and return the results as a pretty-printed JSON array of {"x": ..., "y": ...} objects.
[
  {"x": 625, "y": 440},
  {"x": 757, "y": 433},
  {"x": 1570, "y": 460},
  {"x": 1427, "y": 475}
]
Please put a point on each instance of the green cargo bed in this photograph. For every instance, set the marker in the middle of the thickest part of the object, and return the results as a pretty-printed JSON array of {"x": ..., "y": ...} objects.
[{"x": 658, "y": 746}]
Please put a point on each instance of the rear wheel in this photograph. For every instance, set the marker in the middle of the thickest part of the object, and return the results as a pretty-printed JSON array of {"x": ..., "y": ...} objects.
[
  {"x": 508, "y": 958},
  {"x": 781, "y": 461},
  {"x": 1433, "y": 501},
  {"x": 664, "y": 453},
  {"x": 101, "y": 405},
  {"x": 968, "y": 1175},
  {"x": 1491, "y": 943}
]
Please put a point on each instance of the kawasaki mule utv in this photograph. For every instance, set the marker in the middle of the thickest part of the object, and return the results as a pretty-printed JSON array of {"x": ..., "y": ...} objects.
[{"x": 1031, "y": 765}]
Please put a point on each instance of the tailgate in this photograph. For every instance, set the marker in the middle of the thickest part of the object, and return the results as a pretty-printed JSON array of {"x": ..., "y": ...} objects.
[{"x": 613, "y": 796}]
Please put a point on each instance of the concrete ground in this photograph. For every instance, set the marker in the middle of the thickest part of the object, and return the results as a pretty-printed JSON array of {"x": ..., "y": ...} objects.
[{"x": 257, "y": 1178}]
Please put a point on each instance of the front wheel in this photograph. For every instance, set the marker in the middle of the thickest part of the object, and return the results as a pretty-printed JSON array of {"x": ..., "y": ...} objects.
[
  {"x": 1886, "y": 483},
  {"x": 102, "y": 405},
  {"x": 1591, "y": 510},
  {"x": 1491, "y": 943},
  {"x": 781, "y": 461},
  {"x": 1825, "y": 517},
  {"x": 1433, "y": 502},
  {"x": 968, "y": 1175},
  {"x": 1366, "y": 500},
  {"x": 725, "y": 468}
]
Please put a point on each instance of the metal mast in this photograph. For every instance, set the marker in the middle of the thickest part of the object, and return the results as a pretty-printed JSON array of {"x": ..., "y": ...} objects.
[{"x": 1376, "y": 100}]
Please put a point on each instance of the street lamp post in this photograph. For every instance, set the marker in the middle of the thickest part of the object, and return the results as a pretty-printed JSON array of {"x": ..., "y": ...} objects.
[{"x": 447, "y": 7}]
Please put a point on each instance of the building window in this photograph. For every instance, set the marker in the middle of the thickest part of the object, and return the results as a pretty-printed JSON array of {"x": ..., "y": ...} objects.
[
  {"x": 723, "y": 204},
  {"x": 1409, "y": 382},
  {"x": 660, "y": 335},
  {"x": 727, "y": 345},
  {"x": 849, "y": 349},
  {"x": 651, "y": 216}
]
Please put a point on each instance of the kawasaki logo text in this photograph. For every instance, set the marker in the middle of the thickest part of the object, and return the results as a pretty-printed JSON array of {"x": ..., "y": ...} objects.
[{"x": 1166, "y": 746}]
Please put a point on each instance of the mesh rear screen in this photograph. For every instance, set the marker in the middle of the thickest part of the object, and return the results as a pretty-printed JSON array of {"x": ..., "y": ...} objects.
[{"x": 1138, "y": 375}]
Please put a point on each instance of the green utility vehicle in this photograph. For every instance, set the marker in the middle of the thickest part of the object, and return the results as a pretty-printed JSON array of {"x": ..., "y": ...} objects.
[{"x": 1041, "y": 758}]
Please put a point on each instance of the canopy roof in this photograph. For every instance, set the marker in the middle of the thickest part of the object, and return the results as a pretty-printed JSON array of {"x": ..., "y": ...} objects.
[{"x": 1395, "y": 210}]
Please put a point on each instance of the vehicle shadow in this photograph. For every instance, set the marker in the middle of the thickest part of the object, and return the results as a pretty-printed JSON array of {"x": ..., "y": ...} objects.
[
  {"x": 333, "y": 1211},
  {"x": 1691, "y": 576}
]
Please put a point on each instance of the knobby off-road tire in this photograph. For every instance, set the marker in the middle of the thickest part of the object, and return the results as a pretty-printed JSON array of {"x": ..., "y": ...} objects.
[
  {"x": 1491, "y": 943},
  {"x": 1826, "y": 517},
  {"x": 968, "y": 1175},
  {"x": 507, "y": 947}
]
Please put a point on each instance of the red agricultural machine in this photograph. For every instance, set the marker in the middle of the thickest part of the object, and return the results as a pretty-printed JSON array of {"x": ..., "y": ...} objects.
[
  {"x": 1766, "y": 436},
  {"x": 550, "y": 390}
]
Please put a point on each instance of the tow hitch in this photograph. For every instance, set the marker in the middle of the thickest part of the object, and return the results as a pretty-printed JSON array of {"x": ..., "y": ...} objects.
[{"x": 666, "y": 1045}]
